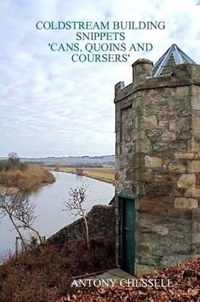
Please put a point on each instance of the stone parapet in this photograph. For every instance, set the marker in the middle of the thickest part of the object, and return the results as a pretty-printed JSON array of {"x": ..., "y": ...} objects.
[{"x": 182, "y": 75}]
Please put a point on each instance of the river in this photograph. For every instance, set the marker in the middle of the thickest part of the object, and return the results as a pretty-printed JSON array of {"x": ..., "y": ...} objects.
[{"x": 49, "y": 206}]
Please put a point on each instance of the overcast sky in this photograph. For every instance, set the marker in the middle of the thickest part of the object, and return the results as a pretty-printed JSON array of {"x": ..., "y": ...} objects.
[{"x": 50, "y": 106}]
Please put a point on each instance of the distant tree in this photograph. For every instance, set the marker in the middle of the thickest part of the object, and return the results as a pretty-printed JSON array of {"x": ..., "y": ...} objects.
[
  {"x": 14, "y": 162},
  {"x": 19, "y": 210},
  {"x": 57, "y": 168},
  {"x": 75, "y": 203},
  {"x": 79, "y": 171},
  {"x": 13, "y": 158}
]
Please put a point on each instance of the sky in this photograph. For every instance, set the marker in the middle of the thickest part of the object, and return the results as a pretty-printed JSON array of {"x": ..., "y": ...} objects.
[{"x": 50, "y": 106}]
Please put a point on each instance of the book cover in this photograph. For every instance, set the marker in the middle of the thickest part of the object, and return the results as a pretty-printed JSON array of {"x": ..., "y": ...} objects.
[{"x": 100, "y": 151}]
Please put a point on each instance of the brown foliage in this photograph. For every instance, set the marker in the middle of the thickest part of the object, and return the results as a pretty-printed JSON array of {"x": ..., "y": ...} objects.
[
  {"x": 29, "y": 179},
  {"x": 45, "y": 273},
  {"x": 185, "y": 287}
]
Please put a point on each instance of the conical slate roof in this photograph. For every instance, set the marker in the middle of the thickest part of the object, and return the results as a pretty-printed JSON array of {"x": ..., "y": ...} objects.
[{"x": 173, "y": 56}]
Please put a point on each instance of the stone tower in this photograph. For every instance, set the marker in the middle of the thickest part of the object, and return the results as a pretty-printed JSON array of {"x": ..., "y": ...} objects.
[{"x": 158, "y": 163}]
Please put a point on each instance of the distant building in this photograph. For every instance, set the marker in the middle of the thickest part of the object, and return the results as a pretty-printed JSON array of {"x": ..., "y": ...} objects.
[{"x": 158, "y": 163}]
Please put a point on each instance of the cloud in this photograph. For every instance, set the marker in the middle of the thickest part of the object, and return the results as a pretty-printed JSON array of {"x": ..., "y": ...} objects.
[{"x": 51, "y": 106}]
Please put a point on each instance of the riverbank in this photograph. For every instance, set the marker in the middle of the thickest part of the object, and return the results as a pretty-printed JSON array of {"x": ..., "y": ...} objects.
[
  {"x": 29, "y": 179},
  {"x": 48, "y": 205},
  {"x": 101, "y": 174},
  {"x": 45, "y": 273}
]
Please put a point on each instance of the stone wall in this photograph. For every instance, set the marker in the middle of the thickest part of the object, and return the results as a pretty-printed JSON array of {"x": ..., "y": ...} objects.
[
  {"x": 101, "y": 222},
  {"x": 158, "y": 163}
]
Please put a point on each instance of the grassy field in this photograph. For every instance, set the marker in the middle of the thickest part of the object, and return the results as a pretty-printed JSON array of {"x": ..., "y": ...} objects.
[{"x": 102, "y": 174}]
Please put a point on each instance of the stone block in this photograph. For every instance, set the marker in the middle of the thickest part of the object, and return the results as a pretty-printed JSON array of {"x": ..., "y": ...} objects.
[
  {"x": 195, "y": 146},
  {"x": 177, "y": 168},
  {"x": 172, "y": 125},
  {"x": 153, "y": 162},
  {"x": 144, "y": 146},
  {"x": 187, "y": 155},
  {"x": 150, "y": 121},
  {"x": 168, "y": 136},
  {"x": 186, "y": 181},
  {"x": 196, "y": 101},
  {"x": 193, "y": 192},
  {"x": 196, "y": 123},
  {"x": 196, "y": 238},
  {"x": 142, "y": 269},
  {"x": 196, "y": 227},
  {"x": 160, "y": 229},
  {"x": 194, "y": 166},
  {"x": 164, "y": 124},
  {"x": 171, "y": 260},
  {"x": 186, "y": 203}
]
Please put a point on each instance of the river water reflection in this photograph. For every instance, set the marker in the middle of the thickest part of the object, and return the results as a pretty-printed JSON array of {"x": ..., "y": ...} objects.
[{"x": 49, "y": 205}]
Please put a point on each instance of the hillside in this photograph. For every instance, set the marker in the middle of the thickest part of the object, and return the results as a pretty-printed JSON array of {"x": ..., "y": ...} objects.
[
  {"x": 107, "y": 160},
  {"x": 46, "y": 274}
]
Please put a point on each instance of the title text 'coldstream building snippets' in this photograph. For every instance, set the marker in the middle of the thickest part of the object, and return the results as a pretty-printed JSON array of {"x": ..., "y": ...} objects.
[{"x": 101, "y": 25}]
